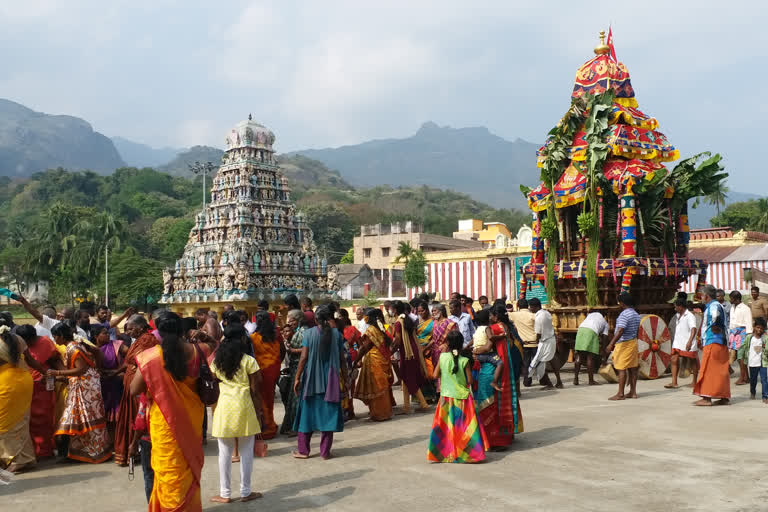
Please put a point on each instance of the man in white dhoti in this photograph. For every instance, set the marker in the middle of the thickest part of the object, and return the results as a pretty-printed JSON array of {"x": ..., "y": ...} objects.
[{"x": 546, "y": 351}]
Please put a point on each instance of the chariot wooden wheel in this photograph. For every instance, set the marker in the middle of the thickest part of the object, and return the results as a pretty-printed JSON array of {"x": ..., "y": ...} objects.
[{"x": 654, "y": 345}]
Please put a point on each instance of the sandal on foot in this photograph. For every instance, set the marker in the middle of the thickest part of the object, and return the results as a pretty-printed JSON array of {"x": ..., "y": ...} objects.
[{"x": 252, "y": 496}]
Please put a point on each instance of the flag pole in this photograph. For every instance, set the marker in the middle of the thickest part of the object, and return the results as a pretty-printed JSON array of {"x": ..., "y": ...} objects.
[{"x": 106, "y": 275}]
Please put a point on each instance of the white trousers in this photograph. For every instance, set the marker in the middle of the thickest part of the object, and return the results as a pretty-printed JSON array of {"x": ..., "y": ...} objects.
[{"x": 226, "y": 447}]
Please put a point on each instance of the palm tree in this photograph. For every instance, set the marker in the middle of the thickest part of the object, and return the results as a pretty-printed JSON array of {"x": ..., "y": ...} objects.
[
  {"x": 90, "y": 238},
  {"x": 761, "y": 224},
  {"x": 718, "y": 196},
  {"x": 405, "y": 252}
]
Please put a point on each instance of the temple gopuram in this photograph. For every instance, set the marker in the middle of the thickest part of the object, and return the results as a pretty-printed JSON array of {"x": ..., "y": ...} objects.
[
  {"x": 608, "y": 215},
  {"x": 249, "y": 243}
]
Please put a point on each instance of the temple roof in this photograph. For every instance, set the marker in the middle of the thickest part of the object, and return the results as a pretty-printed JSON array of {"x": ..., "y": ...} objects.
[
  {"x": 637, "y": 147},
  {"x": 250, "y": 134}
]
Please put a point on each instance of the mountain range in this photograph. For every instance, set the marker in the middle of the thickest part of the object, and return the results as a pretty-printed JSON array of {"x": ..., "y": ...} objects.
[
  {"x": 141, "y": 155},
  {"x": 472, "y": 160},
  {"x": 32, "y": 141}
]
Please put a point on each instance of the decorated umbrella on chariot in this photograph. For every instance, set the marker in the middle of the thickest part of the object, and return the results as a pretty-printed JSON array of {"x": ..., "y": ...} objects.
[{"x": 608, "y": 216}]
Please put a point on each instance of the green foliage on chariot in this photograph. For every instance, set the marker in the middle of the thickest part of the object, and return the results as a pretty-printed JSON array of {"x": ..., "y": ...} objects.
[
  {"x": 556, "y": 157},
  {"x": 587, "y": 223},
  {"x": 548, "y": 229},
  {"x": 593, "y": 113},
  {"x": 596, "y": 128}
]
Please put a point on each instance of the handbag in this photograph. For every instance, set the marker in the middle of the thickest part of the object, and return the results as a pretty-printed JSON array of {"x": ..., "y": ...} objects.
[{"x": 207, "y": 385}]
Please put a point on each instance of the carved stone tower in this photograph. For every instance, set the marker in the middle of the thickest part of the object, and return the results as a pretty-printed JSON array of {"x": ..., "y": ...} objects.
[{"x": 249, "y": 243}]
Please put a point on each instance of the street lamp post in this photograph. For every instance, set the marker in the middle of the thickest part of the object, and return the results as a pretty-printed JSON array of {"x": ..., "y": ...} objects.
[{"x": 198, "y": 168}]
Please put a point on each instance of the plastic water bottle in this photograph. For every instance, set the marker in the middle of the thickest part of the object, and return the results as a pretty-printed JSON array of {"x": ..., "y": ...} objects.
[{"x": 50, "y": 383}]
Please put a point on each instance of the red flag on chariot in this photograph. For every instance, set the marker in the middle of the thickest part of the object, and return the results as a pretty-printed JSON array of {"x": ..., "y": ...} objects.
[{"x": 610, "y": 45}]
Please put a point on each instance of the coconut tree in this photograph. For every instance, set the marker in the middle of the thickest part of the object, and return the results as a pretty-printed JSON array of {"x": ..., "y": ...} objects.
[
  {"x": 405, "y": 252},
  {"x": 761, "y": 224},
  {"x": 718, "y": 196},
  {"x": 90, "y": 238}
]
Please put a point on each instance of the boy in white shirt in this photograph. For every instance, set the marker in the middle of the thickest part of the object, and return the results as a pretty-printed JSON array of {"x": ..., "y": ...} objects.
[
  {"x": 757, "y": 359},
  {"x": 684, "y": 343}
]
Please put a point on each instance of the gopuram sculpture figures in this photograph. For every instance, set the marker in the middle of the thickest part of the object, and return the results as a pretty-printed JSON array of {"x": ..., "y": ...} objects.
[{"x": 250, "y": 240}]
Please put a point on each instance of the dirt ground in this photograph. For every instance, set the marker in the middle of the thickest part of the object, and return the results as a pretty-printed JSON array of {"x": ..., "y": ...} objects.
[{"x": 578, "y": 452}]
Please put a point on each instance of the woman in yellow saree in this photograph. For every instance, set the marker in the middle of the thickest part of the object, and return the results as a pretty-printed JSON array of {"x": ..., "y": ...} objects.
[
  {"x": 169, "y": 373},
  {"x": 374, "y": 384},
  {"x": 16, "y": 448}
]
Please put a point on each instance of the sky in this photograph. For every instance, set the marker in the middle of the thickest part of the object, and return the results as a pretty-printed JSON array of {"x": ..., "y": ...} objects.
[{"x": 331, "y": 73}]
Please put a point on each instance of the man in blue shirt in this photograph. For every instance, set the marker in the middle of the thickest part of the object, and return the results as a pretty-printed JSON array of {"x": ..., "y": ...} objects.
[
  {"x": 463, "y": 320},
  {"x": 625, "y": 356}
]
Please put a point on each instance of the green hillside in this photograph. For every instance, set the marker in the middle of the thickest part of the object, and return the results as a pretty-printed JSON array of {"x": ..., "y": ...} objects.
[{"x": 58, "y": 222}]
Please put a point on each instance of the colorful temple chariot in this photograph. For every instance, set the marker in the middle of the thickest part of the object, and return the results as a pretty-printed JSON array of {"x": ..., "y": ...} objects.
[
  {"x": 608, "y": 216},
  {"x": 249, "y": 243}
]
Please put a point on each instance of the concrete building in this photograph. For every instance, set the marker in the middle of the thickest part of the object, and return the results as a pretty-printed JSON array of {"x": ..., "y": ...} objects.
[
  {"x": 377, "y": 244},
  {"x": 35, "y": 292},
  {"x": 490, "y": 234}
]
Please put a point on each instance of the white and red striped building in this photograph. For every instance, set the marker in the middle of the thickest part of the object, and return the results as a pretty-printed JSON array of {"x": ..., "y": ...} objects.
[
  {"x": 475, "y": 276},
  {"x": 730, "y": 255},
  {"x": 495, "y": 272}
]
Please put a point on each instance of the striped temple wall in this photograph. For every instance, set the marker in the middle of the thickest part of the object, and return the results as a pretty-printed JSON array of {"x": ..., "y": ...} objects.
[
  {"x": 496, "y": 278},
  {"x": 727, "y": 276},
  {"x": 493, "y": 278}
]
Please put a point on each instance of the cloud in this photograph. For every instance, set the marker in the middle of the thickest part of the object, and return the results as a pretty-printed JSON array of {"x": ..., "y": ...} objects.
[
  {"x": 192, "y": 131},
  {"x": 169, "y": 72}
]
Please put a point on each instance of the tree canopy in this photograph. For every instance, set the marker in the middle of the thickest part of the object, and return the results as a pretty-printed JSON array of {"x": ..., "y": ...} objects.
[
  {"x": 749, "y": 215},
  {"x": 58, "y": 224}
]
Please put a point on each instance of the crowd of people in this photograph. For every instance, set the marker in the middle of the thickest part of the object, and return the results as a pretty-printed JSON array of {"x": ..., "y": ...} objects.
[
  {"x": 80, "y": 387},
  {"x": 707, "y": 338}
]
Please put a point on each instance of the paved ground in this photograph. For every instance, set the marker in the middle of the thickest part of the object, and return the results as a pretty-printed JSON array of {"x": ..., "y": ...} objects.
[{"x": 579, "y": 452}]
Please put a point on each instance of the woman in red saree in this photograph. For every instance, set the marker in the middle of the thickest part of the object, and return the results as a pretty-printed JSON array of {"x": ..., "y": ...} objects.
[
  {"x": 138, "y": 328},
  {"x": 441, "y": 326},
  {"x": 41, "y": 420},
  {"x": 352, "y": 339},
  {"x": 499, "y": 411},
  {"x": 268, "y": 351},
  {"x": 168, "y": 374}
]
